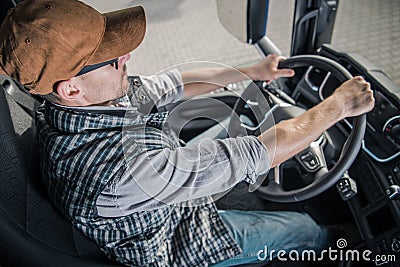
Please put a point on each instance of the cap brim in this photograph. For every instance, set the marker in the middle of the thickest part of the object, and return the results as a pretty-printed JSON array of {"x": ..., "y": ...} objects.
[{"x": 125, "y": 30}]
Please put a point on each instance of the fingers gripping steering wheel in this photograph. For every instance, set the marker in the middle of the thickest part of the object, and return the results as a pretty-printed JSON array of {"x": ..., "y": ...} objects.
[{"x": 313, "y": 157}]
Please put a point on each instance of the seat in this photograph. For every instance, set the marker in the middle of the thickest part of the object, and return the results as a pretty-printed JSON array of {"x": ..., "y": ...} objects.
[{"x": 32, "y": 232}]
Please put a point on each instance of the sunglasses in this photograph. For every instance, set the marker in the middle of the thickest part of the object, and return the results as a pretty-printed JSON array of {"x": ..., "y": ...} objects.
[{"x": 86, "y": 69}]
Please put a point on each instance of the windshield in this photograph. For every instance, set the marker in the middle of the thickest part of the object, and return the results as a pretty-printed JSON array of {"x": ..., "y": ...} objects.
[
  {"x": 367, "y": 27},
  {"x": 371, "y": 28},
  {"x": 181, "y": 31}
]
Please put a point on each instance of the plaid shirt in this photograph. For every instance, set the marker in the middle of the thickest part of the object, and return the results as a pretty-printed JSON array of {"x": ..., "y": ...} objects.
[{"x": 86, "y": 149}]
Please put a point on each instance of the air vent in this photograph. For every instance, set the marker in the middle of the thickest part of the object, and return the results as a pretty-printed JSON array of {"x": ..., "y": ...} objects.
[{"x": 316, "y": 76}]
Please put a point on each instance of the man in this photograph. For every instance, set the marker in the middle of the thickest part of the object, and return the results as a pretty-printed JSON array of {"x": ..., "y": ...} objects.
[{"x": 118, "y": 173}]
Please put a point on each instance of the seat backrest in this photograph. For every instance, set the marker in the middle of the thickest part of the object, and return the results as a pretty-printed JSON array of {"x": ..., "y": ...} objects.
[{"x": 32, "y": 232}]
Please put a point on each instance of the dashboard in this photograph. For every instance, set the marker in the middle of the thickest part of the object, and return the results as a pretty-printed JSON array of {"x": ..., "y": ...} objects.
[
  {"x": 382, "y": 139},
  {"x": 376, "y": 170}
]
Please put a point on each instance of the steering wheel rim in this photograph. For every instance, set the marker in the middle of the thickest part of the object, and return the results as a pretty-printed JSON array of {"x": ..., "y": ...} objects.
[{"x": 274, "y": 191}]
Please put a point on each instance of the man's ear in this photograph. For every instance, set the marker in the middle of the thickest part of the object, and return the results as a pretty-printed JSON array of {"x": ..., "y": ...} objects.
[{"x": 68, "y": 91}]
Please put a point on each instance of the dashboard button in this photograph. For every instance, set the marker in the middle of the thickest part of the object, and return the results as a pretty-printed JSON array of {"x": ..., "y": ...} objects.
[
  {"x": 311, "y": 162},
  {"x": 390, "y": 178},
  {"x": 395, "y": 244},
  {"x": 380, "y": 247},
  {"x": 305, "y": 155},
  {"x": 396, "y": 171}
]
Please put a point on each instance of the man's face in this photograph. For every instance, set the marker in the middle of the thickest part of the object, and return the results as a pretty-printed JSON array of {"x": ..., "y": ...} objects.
[{"x": 106, "y": 83}]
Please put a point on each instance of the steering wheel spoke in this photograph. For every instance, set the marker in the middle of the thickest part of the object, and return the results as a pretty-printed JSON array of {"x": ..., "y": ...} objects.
[{"x": 312, "y": 159}]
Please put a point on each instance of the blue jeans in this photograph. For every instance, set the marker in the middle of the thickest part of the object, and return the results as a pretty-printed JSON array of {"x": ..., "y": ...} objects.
[{"x": 259, "y": 232}]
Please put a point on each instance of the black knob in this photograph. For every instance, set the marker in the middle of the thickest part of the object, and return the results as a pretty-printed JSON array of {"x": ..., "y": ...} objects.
[{"x": 393, "y": 192}]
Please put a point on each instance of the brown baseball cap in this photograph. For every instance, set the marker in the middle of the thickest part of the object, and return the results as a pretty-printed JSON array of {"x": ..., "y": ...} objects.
[{"x": 43, "y": 42}]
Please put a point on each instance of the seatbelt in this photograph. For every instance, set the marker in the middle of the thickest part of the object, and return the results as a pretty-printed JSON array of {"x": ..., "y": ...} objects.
[{"x": 28, "y": 102}]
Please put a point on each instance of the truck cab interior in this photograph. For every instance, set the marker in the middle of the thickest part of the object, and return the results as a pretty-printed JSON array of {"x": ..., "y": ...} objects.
[{"x": 348, "y": 179}]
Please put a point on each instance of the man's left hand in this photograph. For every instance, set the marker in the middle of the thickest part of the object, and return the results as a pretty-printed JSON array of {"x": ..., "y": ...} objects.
[{"x": 267, "y": 69}]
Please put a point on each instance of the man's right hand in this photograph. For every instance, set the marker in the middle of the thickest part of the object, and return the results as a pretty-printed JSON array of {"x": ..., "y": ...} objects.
[
  {"x": 355, "y": 96},
  {"x": 289, "y": 137}
]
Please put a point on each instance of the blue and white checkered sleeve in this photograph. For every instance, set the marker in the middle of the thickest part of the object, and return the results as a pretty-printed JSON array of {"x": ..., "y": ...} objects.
[{"x": 166, "y": 176}]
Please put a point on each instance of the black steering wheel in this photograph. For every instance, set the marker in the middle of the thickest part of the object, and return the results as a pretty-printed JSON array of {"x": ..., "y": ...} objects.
[{"x": 312, "y": 159}]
